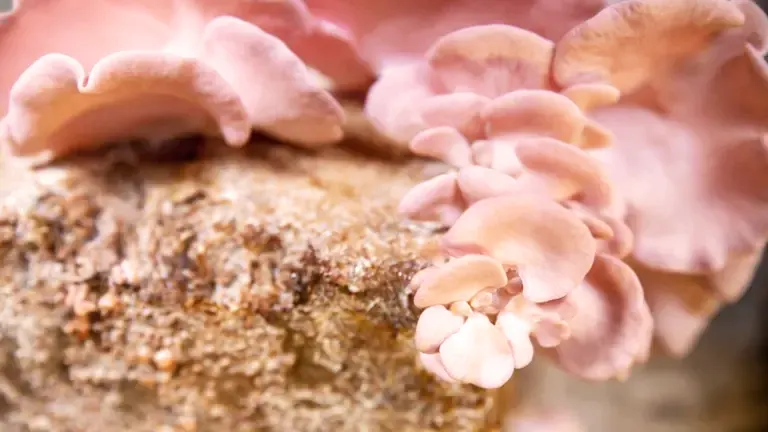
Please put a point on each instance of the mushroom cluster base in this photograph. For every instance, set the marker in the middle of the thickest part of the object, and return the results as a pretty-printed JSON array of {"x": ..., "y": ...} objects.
[{"x": 201, "y": 288}]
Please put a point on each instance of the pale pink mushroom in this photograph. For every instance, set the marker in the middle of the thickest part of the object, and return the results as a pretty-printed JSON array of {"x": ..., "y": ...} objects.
[
  {"x": 457, "y": 280},
  {"x": 690, "y": 156},
  {"x": 517, "y": 330},
  {"x": 434, "y": 364},
  {"x": 444, "y": 198},
  {"x": 488, "y": 83},
  {"x": 436, "y": 324},
  {"x": 613, "y": 235},
  {"x": 390, "y": 33},
  {"x": 478, "y": 354},
  {"x": 477, "y": 183},
  {"x": 563, "y": 172},
  {"x": 534, "y": 113},
  {"x": 75, "y": 77},
  {"x": 683, "y": 304},
  {"x": 612, "y": 327},
  {"x": 444, "y": 143},
  {"x": 546, "y": 322},
  {"x": 548, "y": 246},
  {"x": 437, "y": 199},
  {"x": 469, "y": 351}
]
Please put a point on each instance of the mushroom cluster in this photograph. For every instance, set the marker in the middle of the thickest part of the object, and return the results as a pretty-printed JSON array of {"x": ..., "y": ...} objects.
[
  {"x": 668, "y": 99},
  {"x": 533, "y": 250},
  {"x": 607, "y": 160},
  {"x": 689, "y": 158}
]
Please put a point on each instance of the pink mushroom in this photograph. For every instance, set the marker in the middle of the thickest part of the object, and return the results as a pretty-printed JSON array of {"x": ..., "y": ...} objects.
[
  {"x": 380, "y": 35},
  {"x": 523, "y": 268},
  {"x": 612, "y": 327},
  {"x": 75, "y": 77},
  {"x": 702, "y": 101},
  {"x": 689, "y": 158},
  {"x": 665, "y": 99},
  {"x": 492, "y": 96},
  {"x": 549, "y": 248}
]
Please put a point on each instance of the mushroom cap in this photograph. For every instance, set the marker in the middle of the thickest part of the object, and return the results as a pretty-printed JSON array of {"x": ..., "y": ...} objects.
[
  {"x": 701, "y": 100},
  {"x": 612, "y": 328},
  {"x": 564, "y": 172},
  {"x": 632, "y": 42},
  {"x": 478, "y": 183},
  {"x": 682, "y": 305},
  {"x": 274, "y": 84},
  {"x": 551, "y": 249},
  {"x": 435, "y": 325},
  {"x": 533, "y": 113},
  {"x": 518, "y": 332},
  {"x": 490, "y": 60},
  {"x": 393, "y": 103},
  {"x": 445, "y": 144},
  {"x": 718, "y": 191},
  {"x": 392, "y": 33},
  {"x": 589, "y": 96},
  {"x": 184, "y": 69},
  {"x": 437, "y": 199},
  {"x": 102, "y": 104},
  {"x": 456, "y": 80},
  {"x": 458, "y": 280},
  {"x": 478, "y": 354}
]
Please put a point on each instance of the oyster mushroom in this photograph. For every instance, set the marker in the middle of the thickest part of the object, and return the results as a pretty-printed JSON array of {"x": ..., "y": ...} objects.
[{"x": 75, "y": 78}]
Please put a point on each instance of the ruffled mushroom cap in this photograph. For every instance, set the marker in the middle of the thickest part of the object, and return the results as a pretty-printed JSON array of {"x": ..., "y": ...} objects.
[
  {"x": 152, "y": 70},
  {"x": 682, "y": 305},
  {"x": 401, "y": 102},
  {"x": 437, "y": 199},
  {"x": 549, "y": 247},
  {"x": 534, "y": 113},
  {"x": 491, "y": 86},
  {"x": 695, "y": 89},
  {"x": 524, "y": 115},
  {"x": 386, "y": 34},
  {"x": 612, "y": 327}
]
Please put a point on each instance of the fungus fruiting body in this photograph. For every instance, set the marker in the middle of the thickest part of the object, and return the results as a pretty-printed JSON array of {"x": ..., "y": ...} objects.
[
  {"x": 75, "y": 77},
  {"x": 533, "y": 248},
  {"x": 643, "y": 149}
]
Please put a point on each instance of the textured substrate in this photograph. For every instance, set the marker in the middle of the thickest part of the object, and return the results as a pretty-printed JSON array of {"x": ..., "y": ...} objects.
[
  {"x": 262, "y": 290},
  {"x": 238, "y": 291}
]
